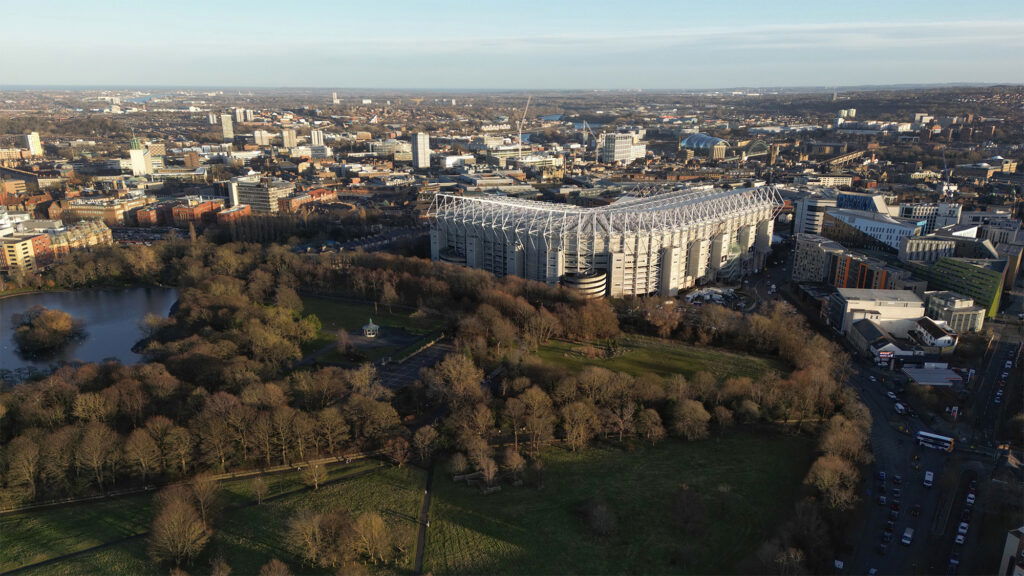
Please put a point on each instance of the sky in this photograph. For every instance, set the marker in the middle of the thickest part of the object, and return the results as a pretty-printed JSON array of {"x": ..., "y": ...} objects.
[{"x": 517, "y": 44}]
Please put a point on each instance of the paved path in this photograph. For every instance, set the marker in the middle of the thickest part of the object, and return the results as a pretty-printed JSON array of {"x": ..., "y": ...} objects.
[{"x": 421, "y": 538}]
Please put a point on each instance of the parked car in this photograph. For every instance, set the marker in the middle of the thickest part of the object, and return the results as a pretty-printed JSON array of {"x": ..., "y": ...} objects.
[
  {"x": 960, "y": 539},
  {"x": 970, "y": 498},
  {"x": 897, "y": 479},
  {"x": 962, "y": 528},
  {"x": 882, "y": 500}
]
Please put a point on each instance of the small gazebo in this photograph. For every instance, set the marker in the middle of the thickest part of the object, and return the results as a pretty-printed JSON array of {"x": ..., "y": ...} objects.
[{"x": 370, "y": 330}]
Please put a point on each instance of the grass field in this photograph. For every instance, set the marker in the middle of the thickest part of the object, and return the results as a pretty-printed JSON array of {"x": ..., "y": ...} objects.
[
  {"x": 410, "y": 330},
  {"x": 336, "y": 315},
  {"x": 747, "y": 481},
  {"x": 663, "y": 357},
  {"x": 246, "y": 535}
]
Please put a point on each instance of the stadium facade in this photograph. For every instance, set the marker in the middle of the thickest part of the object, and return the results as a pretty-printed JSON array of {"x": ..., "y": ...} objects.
[{"x": 656, "y": 243}]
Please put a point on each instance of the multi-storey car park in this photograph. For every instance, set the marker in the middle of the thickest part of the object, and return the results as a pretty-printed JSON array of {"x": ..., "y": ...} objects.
[{"x": 657, "y": 242}]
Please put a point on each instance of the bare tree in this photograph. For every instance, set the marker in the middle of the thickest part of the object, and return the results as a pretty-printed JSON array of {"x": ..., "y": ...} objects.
[
  {"x": 344, "y": 341},
  {"x": 314, "y": 475},
  {"x": 423, "y": 440},
  {"x": 458, "y": 463},
  {"x": 373, "y": 538},
  {"x": 275, "y": 568},
  {"x": 204, "y": 490},
  {"x": 322, "y": 539},
  {"x": 489, "y": 470},
  {"x": 690, "y": 420},
  {"x": 259, "y": 488},
  {"x": 305, "y": 536},
  {"x": 514, "y": 462},
  {"x": 97, "y": 450},
  {"x": 397, "y": 448},
  {"x": 219, "y": 567},
  {"x": 23, "y": 463},
  {"x": 580, "y": 422},
  {"x": 648, "y": 425},
  {"x": 178, "y": 533}
]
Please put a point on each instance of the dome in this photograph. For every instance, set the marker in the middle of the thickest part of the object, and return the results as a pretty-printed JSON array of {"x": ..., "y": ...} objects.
[{"x": 701, "y": 141}]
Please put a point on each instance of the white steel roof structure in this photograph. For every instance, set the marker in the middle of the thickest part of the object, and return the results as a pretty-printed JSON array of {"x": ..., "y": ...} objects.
[{"x": 667, "y": 210}]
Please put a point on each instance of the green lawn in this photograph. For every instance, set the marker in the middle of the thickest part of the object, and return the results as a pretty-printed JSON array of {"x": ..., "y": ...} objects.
[
  {"x": 32, "y": 537},
  {"x": 246, "y": 535},
  {"x": 748, "y": 482},
  {"x": 663, "y": 357},
  {"x": 336, "y": 315}
]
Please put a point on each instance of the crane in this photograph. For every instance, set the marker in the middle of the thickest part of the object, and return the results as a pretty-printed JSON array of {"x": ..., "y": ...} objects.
[
  {"x": 521, "y": 121},
  {"x": 597, "y": 142}
]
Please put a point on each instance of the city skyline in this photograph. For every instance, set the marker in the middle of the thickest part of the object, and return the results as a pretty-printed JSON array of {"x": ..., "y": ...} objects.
[{"x": 568, "y": 45}]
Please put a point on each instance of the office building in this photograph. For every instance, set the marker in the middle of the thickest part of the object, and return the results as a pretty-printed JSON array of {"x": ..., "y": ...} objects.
[
  {"x": 818, "y": 259},
  {"x": 935, "y": 215},
  {"x": 421, "y": 151},
  {"x": 977, "y": 278},
  {"x": 926, "y": 249},
  {"x": 870, "y": 230},
  {"x": 262, "y": 137},
  {"x": 260, "y": 193},
  {"x": 810, "y": 213},
  {"x": 895, "y": 311},
  {"x": 956, "y": 310},
  {"x": 288, "y": 138},
  {"x": 1012, "y": 561},
  {"x": 621, "y": 148},
  {"x": 227, "y": 127},
  {"x": 33, "y": 143},
  {"x": 141, "y": 162},
  {"x": 656, "y": 244},
  {"x": 316, "y": 137}
]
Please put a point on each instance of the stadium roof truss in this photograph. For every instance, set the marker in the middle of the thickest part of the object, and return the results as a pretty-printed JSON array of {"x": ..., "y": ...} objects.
[{"x": 651, "y": 213}]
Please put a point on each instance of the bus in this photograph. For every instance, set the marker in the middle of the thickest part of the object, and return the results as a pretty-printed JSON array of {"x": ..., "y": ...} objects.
[{"x": 930, "y": 440}]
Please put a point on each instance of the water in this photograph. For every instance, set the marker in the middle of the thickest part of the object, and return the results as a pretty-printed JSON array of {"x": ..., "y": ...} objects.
[
  {"x": 552, "y": 117},
  {"x": 112, "y": 320}
]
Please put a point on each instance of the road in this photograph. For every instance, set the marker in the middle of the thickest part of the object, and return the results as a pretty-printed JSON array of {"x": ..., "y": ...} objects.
[{"x": 942, "y": 506}]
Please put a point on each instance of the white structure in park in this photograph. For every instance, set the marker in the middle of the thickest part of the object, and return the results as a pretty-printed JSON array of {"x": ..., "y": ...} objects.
[
  {"x": 654, "y": 243},
  {"x": 370, "y": 330}
]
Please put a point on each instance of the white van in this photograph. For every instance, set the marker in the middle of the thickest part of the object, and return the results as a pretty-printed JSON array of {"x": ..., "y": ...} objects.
[
  {"x": 929, "y": 478},
  {"x": 908, "y": 536}
]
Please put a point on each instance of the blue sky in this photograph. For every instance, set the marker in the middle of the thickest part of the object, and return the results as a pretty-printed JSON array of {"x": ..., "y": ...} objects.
[{"x": 510, "y": 44}]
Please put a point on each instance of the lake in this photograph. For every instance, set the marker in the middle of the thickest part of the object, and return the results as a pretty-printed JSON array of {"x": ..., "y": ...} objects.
[{"x": 111, "y": 318}]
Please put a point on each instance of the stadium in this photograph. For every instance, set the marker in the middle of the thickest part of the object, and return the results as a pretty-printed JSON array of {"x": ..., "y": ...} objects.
[{"x": 655, "y": 242}]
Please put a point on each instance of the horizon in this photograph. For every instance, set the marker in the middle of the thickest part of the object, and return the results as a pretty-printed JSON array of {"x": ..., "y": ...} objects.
[{"x": 454, "y": 45}]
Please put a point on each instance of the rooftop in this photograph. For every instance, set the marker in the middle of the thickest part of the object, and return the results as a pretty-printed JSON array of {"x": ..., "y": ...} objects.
[{"x": 879, "y": 295}]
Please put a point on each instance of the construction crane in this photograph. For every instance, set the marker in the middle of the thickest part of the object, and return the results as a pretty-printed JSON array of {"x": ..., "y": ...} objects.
[
  {"x": 521, "y": 121},
  {"x": 597, "y": 142}
]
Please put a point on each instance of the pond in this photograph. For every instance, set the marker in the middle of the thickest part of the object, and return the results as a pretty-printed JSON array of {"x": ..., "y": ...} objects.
[{"x": 112, "y": 320}]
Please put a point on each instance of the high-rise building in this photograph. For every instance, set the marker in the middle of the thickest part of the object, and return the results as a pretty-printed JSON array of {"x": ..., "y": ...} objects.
[
  {"x": 421, "y": 151},
  {"x": 34, "y": 145},
  {"x": 250, "y": 116},
  {"x": 810, "y": 213},
  {"x": 288, "y": 137},
  {"x": 316, "y": 137},
  {"x": 239, "y": 115},
  {"x": 262, "y": 194},
  {"x": 334, "y": 98},
  {"x": 227, "y": 126},
  {"x": 623, "y": 148},
  {"x": 142, "y": 162},
  {"x": 212, "y": 118},
  {"x": 262, "y": 137}
]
